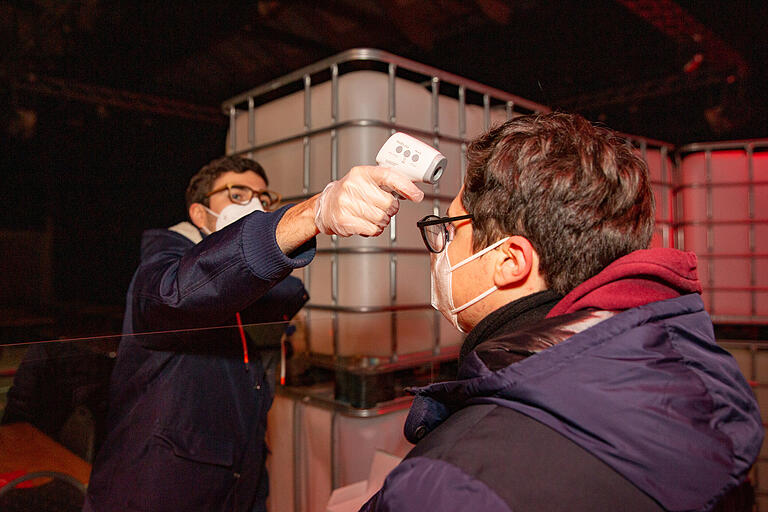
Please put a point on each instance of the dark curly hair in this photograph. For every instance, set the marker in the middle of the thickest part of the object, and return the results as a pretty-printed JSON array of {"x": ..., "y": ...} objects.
[
  {"x": 202, "y": 181},
  {"x": 577, "y": 192}
]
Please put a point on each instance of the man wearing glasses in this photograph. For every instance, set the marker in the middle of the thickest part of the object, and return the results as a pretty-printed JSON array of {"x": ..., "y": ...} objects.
[
  {"x": 589, "y": 378},
  {"x": 188, "y": 401}
]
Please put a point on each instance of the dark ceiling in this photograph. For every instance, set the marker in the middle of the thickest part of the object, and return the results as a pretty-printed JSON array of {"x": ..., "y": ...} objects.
[
  {"x": 680, "y": 70},
  {"x": 108, "y": 107}
]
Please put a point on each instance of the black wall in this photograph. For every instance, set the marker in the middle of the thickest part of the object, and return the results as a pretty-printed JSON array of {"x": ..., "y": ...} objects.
[{"x": 102, "y": 177}]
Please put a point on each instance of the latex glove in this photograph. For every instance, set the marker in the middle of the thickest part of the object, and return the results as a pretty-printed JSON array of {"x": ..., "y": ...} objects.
[{"x": 358, "y": 203}]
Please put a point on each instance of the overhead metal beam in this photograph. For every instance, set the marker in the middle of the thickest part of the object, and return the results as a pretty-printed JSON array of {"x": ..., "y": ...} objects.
[
  {"x": 124, "y": 100},
  {"x": 688, "y": 32}
]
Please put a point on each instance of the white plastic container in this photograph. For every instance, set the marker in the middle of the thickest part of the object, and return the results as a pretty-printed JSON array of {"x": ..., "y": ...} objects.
[
  {"x": 314, "y": 449},
  {"x": 306, "y": 139},
  {"x": 723, "y": 212},
  {"x": 362, "y": 96},
  {"x": 660, "y": 171}
]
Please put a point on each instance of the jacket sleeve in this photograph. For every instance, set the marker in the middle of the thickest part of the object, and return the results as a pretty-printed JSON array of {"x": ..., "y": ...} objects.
[
  {"x": 421, "y": 483},
  {"x": 179, "y": 286}
]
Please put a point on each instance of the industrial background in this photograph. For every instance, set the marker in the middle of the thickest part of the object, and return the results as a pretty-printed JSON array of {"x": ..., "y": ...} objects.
[{"x": 108, "y": 107}]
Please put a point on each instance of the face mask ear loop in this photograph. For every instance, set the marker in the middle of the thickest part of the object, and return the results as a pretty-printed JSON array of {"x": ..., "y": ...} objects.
[
  {"x": 467, "y": 260},
  {"x": 475, "y": 300},
  {"x": 478, "y": 254},
  {"x": 210, "y": 211},
  {"x": 204, "y": 229}
]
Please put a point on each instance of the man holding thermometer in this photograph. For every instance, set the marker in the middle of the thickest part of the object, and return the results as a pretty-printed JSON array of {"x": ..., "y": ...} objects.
[{"x": 188, "y": 406}]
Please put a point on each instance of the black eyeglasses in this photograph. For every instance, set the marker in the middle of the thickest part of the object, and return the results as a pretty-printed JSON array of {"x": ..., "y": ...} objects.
[{"x": 435, "y": 232}]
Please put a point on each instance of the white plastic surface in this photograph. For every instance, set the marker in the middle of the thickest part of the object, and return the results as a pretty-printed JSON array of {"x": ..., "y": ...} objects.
[
  {"x": 731, "y": 244},
  {"x": 364, "y": 279},
  {"x": 356, "y": 441},
  {"x": 351, "y": 497},
  {"x": 660, "y": 172}
]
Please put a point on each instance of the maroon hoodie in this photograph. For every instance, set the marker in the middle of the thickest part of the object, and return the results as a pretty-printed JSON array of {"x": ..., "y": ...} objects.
[{"x": 639, "y": 278}]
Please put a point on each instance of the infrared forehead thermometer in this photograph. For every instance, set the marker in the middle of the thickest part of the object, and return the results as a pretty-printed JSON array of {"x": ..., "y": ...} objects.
[{"x": 417, "y": 160}]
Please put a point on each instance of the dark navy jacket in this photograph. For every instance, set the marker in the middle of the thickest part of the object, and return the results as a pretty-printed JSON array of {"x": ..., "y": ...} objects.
[
  {"x": 632, "y": 410},
  {"x": 187, "y": 415}
]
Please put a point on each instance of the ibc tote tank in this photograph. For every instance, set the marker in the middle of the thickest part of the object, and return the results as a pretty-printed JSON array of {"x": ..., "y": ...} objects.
[
  {"x": 657, "y": 156},
  {"x": 369, "y": 319},
  {"x": 722, "y": 207},
  {"x": 339, "y": 117}
]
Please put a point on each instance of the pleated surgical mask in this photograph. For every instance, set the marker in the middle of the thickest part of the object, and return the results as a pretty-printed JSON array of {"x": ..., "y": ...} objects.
[{"x": 442, "y": 291}]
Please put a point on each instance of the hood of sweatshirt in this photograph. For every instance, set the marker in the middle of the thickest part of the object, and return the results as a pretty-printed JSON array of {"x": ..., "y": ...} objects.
[{"x": 639, "y": 278}]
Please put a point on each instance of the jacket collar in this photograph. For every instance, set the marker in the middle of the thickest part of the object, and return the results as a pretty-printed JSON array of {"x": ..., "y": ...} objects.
[
  {"x": 187, "y": 230},
  {"x": 516, "y": 315}
]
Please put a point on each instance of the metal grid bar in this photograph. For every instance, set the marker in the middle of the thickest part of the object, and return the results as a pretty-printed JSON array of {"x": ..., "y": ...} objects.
[
  {"x": 750, "y": 255},
  {"x": 307, "y": 147},
  {"x": 334, "y": 443},
  {"x": 678, "y": 213},
  {"x": 334, "y": 177},
  {"x": 463, "y": 130},
  {"x": 298, "y": 480},
  {"x": 367, "y": 123},
  {"x": 392, "y": 117},
  {"x": 728, "y": 144},
  {"x": 710, "y": 230},
  {"x": 251, "y": 123},
  {"x": 665, "y": 192},
  {"x": 370, "y": 54},
  {"x": 752, "y": 241},
  {"x": 232, "y": 129},
  {"x": 436, "y": 203}
]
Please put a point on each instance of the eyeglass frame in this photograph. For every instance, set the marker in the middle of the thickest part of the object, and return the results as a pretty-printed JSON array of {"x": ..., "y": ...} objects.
[
  {"x": 435, "y": 220},
  {"x": 271, "y": 194}
]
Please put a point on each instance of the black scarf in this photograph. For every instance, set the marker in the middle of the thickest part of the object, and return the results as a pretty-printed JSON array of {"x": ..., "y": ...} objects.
[{"x": 511, "y": 317}]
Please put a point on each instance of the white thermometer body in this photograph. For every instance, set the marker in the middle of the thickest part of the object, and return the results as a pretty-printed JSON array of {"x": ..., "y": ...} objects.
[{"x": 419, "y": 161}]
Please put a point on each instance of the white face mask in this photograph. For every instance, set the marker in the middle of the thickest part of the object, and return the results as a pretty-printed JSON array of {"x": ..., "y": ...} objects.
[
  {"x": 442, "y": 292},
  {"x": 233, "y": 212}
]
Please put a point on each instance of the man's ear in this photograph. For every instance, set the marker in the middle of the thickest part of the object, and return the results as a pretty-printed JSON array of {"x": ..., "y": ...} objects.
[
  {"x": 516, "y": 265},
  {"x": 197, "y": 215}
]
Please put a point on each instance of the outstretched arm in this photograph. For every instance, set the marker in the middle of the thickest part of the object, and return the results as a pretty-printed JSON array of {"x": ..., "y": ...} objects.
[
  {"x": 357, "y": 204},
  {"x": 176, "y": 286}
]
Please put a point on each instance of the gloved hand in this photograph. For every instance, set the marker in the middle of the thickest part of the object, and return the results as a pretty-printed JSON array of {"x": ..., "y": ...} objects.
[{"x": 358, "y": 203}]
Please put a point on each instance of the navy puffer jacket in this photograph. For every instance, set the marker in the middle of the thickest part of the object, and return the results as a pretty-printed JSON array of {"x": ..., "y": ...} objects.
[{"x": 590, "y": 410}]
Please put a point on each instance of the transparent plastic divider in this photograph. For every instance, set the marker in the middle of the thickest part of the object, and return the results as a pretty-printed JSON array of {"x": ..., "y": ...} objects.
[
  {"x": 54, "y": 399},
  {"x": 59, "y": 426}
]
